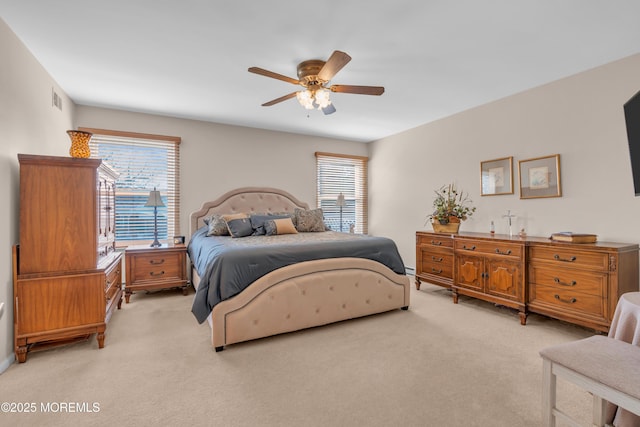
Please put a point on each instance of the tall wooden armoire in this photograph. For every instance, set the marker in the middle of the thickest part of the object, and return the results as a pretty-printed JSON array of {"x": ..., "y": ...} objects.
[{"x": 67, "y": 273}]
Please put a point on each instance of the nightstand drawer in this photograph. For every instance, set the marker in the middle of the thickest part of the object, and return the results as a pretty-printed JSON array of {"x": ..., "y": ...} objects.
[{"x": 161, "y": 266}]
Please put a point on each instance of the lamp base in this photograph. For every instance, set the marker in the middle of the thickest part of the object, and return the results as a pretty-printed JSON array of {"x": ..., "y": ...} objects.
[{"x": 156, "y": 243}]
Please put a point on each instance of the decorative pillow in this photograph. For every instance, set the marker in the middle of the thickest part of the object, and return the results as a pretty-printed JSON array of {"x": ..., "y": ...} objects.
[
  {"x": 257, "y": 222},
  {"x": 239, "y": 225},
  {"x": 279, "y": 226},
  {"x": 217, "y": 225},
  {"x": 291, "y": 215},
  {"x": 309, "y": 220}
]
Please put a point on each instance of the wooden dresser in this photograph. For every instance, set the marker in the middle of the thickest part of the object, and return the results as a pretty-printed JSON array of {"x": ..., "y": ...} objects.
[
  {"x": 67, "y": 274},
  {"x": 578, "y": 283}
]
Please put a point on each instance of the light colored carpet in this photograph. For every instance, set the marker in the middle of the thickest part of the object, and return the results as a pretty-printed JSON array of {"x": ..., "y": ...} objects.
[{"x": 438, "y": 364}]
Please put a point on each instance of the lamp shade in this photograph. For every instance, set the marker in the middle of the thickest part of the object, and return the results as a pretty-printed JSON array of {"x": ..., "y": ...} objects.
[
  {"x": 155, "y": 199},
  {"x": 340, "y": 201}
]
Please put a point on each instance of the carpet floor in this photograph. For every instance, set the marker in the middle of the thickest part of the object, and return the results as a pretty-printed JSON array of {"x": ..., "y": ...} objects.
[{"x": 437, "y": 364}]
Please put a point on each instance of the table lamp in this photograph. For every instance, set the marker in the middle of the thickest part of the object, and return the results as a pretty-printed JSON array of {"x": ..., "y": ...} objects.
[{"x": 155, "y": 200}]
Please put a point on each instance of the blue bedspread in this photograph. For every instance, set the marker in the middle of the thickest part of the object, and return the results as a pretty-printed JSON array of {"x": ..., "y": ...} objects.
[{"x": 227, "y": 265}]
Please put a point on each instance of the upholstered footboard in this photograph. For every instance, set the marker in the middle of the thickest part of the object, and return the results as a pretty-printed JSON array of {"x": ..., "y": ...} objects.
[{"x": 308, "y": 294}]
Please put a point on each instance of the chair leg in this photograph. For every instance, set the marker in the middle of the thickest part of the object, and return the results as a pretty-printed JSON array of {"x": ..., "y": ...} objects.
[{"x": 548, "y": 394}]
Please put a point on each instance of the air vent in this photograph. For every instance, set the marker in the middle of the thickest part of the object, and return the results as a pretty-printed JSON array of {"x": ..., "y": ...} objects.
[{"x": 56, "y": 100}]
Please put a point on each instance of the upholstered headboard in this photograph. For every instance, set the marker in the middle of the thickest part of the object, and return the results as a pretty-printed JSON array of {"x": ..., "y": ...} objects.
[{"x": 247, "y": 200}]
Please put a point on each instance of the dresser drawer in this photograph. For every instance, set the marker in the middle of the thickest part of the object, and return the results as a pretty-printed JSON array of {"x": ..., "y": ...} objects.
[
  {"x": 113, "y": 277},
  {"x": 488, "y": 247},
  {"x": 161, "y": 266},
  {"x": 434, "y": 240},
  {"x": 566, "y": 300},
  {"x": 570, "y": 257},
  {"x": 444, "y": 269},
  {"x": 568, "y": 279}
]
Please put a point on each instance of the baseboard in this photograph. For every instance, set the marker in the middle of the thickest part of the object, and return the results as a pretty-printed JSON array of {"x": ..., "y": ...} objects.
[{"x": 7, "y": 362}]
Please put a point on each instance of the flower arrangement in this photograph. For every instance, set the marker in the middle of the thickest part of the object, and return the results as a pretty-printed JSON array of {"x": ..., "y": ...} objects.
[{"x": 451, "y": 205}]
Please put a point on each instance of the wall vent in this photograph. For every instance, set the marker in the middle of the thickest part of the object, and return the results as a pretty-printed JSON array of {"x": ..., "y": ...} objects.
[{"x": 56, "y": 100}]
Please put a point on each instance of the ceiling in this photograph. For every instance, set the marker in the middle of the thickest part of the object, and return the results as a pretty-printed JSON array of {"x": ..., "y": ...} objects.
[{"x": 189, "y": 58}]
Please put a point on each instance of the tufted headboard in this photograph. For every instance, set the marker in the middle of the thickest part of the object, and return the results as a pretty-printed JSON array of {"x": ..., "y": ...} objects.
[{"x": 248, "y": 200}]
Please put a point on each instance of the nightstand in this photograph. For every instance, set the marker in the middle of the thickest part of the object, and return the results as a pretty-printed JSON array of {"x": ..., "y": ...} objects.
[{"x": 151, "y": 268}]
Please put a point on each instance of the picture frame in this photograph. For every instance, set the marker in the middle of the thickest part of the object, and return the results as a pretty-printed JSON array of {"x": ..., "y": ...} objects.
[
  {"x": 540, "y": 177},
  {"x": 496, "y": 176},
  {"x": 178, "y": 240}
]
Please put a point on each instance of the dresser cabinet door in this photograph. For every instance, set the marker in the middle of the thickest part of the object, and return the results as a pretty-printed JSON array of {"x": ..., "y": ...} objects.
[
  {"x": 503, "y": 278},
  {"x": 470, "y": 272}
]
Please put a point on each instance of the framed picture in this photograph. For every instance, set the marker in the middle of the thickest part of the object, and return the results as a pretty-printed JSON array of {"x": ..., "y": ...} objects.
[
  {"x": 178, "y": 240},
  {"x": 540, "y": 177},
  {"x": 496, "y": 177}
]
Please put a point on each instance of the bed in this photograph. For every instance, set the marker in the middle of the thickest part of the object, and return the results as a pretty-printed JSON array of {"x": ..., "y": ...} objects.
[{"x": 296, "y": 296}]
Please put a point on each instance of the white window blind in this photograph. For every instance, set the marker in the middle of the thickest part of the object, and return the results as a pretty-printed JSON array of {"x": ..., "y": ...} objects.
[
  {"x": 144, "y": 162},
  {"x": 347, "y": 175}
]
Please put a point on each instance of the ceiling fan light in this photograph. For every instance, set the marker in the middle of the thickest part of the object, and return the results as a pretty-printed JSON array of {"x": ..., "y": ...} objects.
[
  {"x": 322, "y": 98},
  {"x": 305, "y": 98}
]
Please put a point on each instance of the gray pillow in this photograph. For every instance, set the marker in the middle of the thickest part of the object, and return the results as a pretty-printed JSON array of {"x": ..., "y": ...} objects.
[
  {"x": 217, "y": 225},
  {"x": 240, "y": 227},
  {"x": 258, "y": 221},
  {"x": 309, "y": 220}
]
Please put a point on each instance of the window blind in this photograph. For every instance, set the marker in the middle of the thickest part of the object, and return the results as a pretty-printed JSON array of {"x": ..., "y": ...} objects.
[
  {"x": 144, "y": 162},
  {"x": 347, "y": 175}
]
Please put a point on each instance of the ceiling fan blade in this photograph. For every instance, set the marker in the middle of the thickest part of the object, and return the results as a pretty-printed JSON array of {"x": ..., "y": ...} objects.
[
  {"x": 329, "y": 109},
  {"x": 361, "y": 90},
  {"x": 336, "y": 61},
  {"x": 277, "y": 100},
  {"x": 273, "y": 75}
]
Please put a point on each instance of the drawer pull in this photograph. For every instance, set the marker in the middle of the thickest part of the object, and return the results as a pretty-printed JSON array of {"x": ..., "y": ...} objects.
[
  {"x": 153, "y": 273},
  {"x": 568, "y": 301},
  {"x": 557, "y": 280},
  {"x": 154, "y": 262},
  {"x": 472, "y": 248},
  {"x": 508, "y": 252},
  {"x": 436, "y": 259},
  {"x": 433, "y": 270},
  {"x": 436, "y": 243},
  {"x": 557, "y": 258}
]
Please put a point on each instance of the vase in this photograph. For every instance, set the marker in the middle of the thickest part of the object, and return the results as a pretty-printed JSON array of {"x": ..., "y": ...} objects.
[
  {"x": 451, "y": 227},
  {"x": 79, "y": 143}
]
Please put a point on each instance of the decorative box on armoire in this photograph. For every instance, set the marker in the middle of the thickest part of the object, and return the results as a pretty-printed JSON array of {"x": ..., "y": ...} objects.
[{"x": 67, "y": 276}]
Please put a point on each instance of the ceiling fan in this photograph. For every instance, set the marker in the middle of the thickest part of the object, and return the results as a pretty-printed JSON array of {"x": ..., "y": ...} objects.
[{"x": 313, "y": 76}]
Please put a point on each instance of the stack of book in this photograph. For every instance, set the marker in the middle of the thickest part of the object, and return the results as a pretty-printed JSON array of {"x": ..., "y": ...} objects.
[{"x": 567, "y": 236}]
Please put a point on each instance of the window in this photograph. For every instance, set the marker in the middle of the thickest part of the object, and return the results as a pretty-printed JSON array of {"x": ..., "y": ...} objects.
[
  {"x": 347, "y": 175},
  {"x": 144, "y": 162}
]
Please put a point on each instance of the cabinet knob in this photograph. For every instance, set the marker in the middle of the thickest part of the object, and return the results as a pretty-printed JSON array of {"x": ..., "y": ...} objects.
[
  {"x": 156, "y": 262},
  {"x": 433, "y": 270},
  {"x": 472, "y": 248},
  {"x": 436, "y": 243},
  {"x": 436, "y": 259},
  {"x": 153, "y": 273},
  {"x": 507, "y": 252}
]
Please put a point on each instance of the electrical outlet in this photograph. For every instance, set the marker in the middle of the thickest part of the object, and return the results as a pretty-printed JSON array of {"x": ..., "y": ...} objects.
[{"x": 1, "y": 309}]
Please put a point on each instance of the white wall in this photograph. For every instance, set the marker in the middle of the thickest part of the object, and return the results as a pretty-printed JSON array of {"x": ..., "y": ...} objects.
[
  {"x": 216, "y": 158},
  {"x": 29, "y": 124},
  {"x": 580, "y": 117}
]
